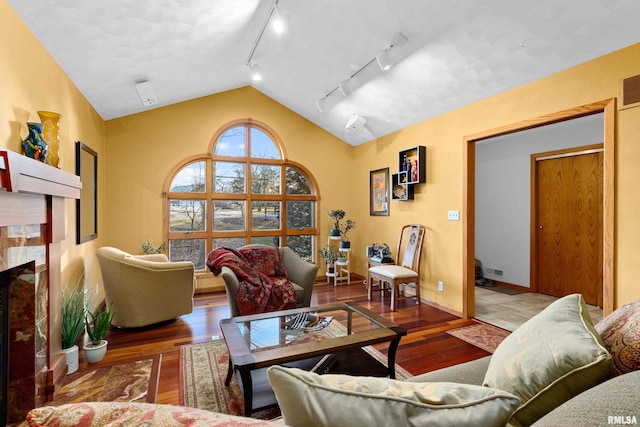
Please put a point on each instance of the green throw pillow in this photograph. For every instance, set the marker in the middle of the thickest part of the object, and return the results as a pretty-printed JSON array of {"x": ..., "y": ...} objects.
[
  {"x": 551, "y": 358},
  {"x": 307, "y": 399}
]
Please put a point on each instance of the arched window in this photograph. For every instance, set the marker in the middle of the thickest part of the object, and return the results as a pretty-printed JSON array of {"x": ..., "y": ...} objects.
[{"x": 243, "y": 191}]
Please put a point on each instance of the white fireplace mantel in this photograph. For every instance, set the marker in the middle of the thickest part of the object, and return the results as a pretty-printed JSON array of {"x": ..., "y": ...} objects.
[{"x": 23, "y": 174}]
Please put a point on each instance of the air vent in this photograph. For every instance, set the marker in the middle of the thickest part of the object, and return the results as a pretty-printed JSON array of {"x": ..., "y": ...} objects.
[{"x": 629, "y": 92}]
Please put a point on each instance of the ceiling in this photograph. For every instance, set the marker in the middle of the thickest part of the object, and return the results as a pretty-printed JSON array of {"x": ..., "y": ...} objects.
[{"x": 458, "y": 51}]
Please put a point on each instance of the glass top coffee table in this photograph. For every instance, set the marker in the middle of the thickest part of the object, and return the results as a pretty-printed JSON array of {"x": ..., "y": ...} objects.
[{"x": 261, "y": 340}]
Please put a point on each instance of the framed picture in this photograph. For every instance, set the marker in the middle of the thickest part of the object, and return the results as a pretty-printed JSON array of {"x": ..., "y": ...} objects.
[
  {"x": 87, "y": 205},
  {"x": 379, "y": 192}
]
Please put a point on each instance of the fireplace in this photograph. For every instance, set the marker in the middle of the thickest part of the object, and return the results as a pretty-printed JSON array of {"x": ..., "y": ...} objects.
[
  {"x": 22, "y": 341},
  {"x": 32, "y": 225}
]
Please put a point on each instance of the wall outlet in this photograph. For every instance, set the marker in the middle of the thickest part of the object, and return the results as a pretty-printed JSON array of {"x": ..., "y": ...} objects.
[
  {"x": 440, "y": 285},
  {"x": 97, "y": 288},
  {"x": 453, "y": 215}
]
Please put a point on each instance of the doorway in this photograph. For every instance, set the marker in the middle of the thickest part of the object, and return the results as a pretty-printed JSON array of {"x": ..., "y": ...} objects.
[
  {"x": 469, "y": 202},
  {"x": 566, "y": 232}
]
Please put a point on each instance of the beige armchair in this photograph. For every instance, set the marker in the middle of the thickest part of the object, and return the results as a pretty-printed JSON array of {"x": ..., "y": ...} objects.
[
  {"x": 299, "y": 272},
  {"x": 145, "y": 289}
]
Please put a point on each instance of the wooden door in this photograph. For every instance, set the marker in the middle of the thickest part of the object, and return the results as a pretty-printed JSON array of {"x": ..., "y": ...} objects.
[{"x": 569, "y": 225}]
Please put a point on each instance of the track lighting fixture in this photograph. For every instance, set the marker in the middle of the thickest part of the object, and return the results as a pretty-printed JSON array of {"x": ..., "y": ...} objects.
[
  {"x": 382, "y": 58},
  {"x": 279, "y": 23}
]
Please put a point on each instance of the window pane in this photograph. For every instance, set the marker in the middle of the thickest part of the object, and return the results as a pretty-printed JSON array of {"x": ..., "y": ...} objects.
[
  {"x": 186, "y": 215},
  {"x": 262, "y": 146},
  {"x": 228, "y": 242},
  {"x": 232, "y": 143},
  {"x": 302, "y": 245},
  {"x": 228, "y": 215},
  {"x": 265, "y": 179},
  {"x": 300, "y": 214},
  {"x": 296, "y": 182},
  {"x": 266, "y": 240},
  {"x": 190, "y": 179},
  {"x": 265, "y": 215},
  {"x": 228, "y": 177},
  {"x": 193, "y": 250}
]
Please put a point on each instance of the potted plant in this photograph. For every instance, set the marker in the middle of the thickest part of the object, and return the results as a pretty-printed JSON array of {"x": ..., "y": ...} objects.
[
  {"x": 348, "y": 226},
  {"x": 336, "y": 215},
  {"x": 97, "y": 326},
  {"x": 149, "y": 249},
  {"x": 330, "y": 255},
  {"x": 342, "y": 257},
  {"x": 73, "y": 312}
]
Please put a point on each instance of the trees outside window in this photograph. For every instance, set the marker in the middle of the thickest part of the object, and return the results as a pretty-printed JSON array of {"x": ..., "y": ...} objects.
[{"x": 242, "y": 191}]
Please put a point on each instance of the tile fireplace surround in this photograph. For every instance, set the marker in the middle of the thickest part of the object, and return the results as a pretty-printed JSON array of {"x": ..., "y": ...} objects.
[{"x": 32, "y": 225}]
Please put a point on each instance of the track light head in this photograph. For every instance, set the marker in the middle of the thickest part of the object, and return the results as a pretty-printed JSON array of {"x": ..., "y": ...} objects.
[
  {"x": 383, "y": 60},
  {"x": 321, "y": 105},
  {"x": 256, "y": 73},
  {"x": 280, "y": 22},
  {"x": 344, "y": 88}
]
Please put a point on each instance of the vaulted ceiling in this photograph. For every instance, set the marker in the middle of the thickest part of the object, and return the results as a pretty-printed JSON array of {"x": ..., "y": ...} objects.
[{"x": 457, "y": 51}]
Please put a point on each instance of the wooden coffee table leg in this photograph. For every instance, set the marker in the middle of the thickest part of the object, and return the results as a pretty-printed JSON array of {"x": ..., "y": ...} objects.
[
  {"x": 391, "y": 357},
  {"x": 247, "y": 391},
  {"x": 227, "y": 380}
]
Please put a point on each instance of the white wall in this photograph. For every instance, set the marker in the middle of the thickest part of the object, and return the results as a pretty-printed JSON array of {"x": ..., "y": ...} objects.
[{"x": 503, "y": 181}]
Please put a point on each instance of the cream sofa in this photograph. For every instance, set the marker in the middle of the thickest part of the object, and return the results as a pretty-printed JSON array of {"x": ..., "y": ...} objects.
[{"x": 145, "y": 289}]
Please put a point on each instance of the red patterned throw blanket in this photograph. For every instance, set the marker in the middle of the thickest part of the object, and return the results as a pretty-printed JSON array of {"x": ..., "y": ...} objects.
[{"x": 263, "y": 281}]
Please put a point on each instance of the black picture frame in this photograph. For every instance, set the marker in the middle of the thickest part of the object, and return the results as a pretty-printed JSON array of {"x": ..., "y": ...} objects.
[
  {"x": 379, "y": 192},
  {"x": 87, "y": 205}
]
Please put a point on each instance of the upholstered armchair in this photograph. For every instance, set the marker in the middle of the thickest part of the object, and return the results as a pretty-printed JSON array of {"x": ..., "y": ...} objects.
[
  {"x": 145, "y": 289},
  {"x": 301, "y": 274}
]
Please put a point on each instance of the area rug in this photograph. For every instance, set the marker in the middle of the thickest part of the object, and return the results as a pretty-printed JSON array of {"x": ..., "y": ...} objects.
[
  {"x": 126, "y": 382},
  {"x": 486, "y": 337},
  {"x": 203, "y": 369}
]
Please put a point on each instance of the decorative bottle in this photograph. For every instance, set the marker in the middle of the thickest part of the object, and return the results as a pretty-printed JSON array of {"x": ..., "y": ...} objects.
[
  {"x": 34, "y": 145},
  {"x": 50, "y": 133}
]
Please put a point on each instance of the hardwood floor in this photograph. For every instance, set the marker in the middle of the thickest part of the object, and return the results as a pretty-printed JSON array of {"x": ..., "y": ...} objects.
[{"x": 427, "y": 346}]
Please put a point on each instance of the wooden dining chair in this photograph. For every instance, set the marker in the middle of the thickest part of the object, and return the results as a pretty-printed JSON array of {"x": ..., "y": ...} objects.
[{"x": 405, "y": 272}]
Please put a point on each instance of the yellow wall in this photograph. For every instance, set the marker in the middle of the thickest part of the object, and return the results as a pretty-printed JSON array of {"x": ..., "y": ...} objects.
[
  {"x": 30, "y": 80},
  {"x": 589, "y": 82},
  {"x": 137, "y": 152},
  {"x": 143, "y": 149}
]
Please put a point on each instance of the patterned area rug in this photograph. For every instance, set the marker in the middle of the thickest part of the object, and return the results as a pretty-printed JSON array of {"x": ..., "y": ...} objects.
[
  {"x": 203, "y": 368},
  {"x": 487, "y": 337}
]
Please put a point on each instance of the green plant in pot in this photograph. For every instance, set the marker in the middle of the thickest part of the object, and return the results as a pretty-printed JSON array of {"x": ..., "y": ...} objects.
[
  {"x": 73, "y": 314},
  {"x": 148, "y": 248},
  {"x": 329, "y": 255},
  {"x": 336, "y": 215},
  {"x": 349, "y": 225},
  {"x": 97, "y": 326}
]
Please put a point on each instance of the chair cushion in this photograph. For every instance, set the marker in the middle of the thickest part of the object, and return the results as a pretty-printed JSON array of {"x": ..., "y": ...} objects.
[
  {"x": 620, "y": 332},
  {"x": 554, "y": 356},
  {"x": 393, "y": 271},
  {"x": 307, "y": 399}
]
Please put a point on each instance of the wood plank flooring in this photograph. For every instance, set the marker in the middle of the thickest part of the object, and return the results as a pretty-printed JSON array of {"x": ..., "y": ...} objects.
[{"x": 427, "y": 346}]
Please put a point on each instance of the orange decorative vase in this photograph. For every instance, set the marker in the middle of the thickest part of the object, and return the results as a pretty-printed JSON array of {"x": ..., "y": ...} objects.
[{"x": 50, "y": 133}]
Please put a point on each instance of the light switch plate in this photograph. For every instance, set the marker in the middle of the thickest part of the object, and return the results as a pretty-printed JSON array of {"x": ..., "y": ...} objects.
[{"x": 454, "y": 216}]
